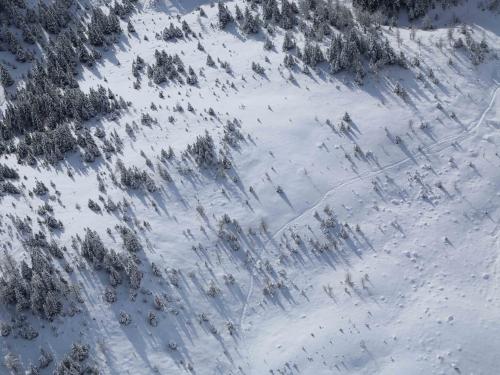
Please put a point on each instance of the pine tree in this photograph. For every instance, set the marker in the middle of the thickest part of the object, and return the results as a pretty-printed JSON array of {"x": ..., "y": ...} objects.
[
  {"x": 250, "y": 24},
  {"x": 130, "y": 27},
  {"x": 238, "y": 13},
  {"x": 270, "y": 10},
  {"x": 133, "y": 273},
  {"x": 224, "y": 15},
  {"x": 5, "y": 77},
  {"x": 130, "y": 241},
  {"x": 210, "y": 61},
  {"x": 92, "y": 247},
  {"x": 268, "y": 44},
  {"x": 288, "y": 41},
  {"x": 51, "y": 306}
]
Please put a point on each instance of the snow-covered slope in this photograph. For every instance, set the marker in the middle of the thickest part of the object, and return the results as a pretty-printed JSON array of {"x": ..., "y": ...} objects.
[{"x": 371, "y": 249}]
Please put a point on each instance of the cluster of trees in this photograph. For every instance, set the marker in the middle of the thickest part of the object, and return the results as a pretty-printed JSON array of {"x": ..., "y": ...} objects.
[
  {"x": 76, "y": 362},
  {"x": 167, "y": 67},
  {"x": 477, "y": 50},
  {"x": 134, "y": 178},
  {"x": 229, "y": 230},
  {"x": 87, "y": 142},
  {"x": 232, "y": 134},
  {"x": 50, "y": 144},
  {"x": 52, "y": 16},
  {"x": 117, "y": 265},
  {"x": 172, "y": 32},
  {"x": 42, "y": 105},
  {"x": 101, "y": 26},
  {"x": 130, "y": 241},
  {"x": 65, "y": 34},
  {"x": 346, "y": 52},
  {"x": 257, "y": 68},
  {"x": 203, "y": 151},
  {"x": 8, "y": 173},
  {"x": 351, "y": 46},
  {"x": 224, "y": 15},
  {"x": 415, "y": 8},
  {"x": 52, "y": 138},
  {"x": 39, "y": 288},
  {"x": 20, "y": 325},
  {"x": 284, "y": 15},
  {"x": 249, "y": 23}
]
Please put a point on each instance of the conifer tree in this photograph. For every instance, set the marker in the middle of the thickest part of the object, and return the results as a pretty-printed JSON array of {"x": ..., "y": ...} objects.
[{"x": 5, "y": 77}]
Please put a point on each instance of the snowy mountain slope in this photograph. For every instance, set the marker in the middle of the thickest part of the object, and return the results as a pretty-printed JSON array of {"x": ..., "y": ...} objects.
[
  {"x": 421, "y": 292},
  {"x": 415, "y": 315}
]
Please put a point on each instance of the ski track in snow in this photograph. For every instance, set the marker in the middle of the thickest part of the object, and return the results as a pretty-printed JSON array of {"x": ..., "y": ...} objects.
[{"x": 434, "y": 148}]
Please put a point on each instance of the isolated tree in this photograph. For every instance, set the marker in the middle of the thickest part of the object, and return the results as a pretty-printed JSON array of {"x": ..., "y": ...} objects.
[{"x": 210, "y": 61}]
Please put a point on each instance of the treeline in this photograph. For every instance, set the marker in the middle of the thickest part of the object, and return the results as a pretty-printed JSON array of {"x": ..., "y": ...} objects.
[
  {"x": 352, "y": 46},
  {"x": 415, "y": 8}
]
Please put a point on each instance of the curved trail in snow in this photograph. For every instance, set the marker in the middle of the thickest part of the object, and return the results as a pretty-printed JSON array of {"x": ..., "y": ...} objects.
[{"x": 431, "y": 149}]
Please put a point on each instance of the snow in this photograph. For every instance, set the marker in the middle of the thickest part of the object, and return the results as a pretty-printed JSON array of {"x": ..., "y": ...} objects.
[{"x": 429, "y": 303}]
